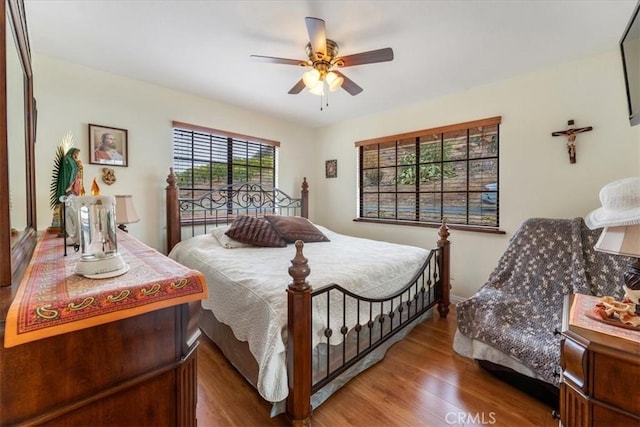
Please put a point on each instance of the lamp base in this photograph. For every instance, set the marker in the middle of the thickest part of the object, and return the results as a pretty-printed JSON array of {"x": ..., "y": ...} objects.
[
  {"x": 111, "y": 265},
  {"x": 109, "y": 274},
  {"x": 632, "y": 276},
  {"x": 123, "y": 228}
]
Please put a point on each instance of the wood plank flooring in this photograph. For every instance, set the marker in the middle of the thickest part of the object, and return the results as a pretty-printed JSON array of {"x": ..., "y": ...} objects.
[{"x": 420, "y": 382}]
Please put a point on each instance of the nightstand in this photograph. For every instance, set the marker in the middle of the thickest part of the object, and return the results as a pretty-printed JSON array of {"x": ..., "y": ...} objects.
[{"x": 600, "y": 363}]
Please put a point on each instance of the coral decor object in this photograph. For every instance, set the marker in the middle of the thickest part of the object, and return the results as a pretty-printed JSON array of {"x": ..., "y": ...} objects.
[{"x": 95, "y": 189}]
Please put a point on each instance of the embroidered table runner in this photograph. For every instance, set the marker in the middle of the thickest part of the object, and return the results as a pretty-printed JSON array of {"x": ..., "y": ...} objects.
[{"x": 53, "y": 300}]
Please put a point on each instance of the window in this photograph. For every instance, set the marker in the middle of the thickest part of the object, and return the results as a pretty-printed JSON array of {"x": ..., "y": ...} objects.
[
  {"x": 204, "y": 159},
  {"x": 449, "y": 172}
]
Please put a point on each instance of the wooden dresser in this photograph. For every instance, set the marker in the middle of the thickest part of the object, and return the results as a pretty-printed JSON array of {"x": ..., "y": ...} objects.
[
  {"x": 106, "y": 367},
  {"x": 600, "y": 370}
]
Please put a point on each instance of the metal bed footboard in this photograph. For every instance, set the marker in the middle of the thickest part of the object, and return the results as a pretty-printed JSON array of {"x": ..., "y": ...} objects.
[
  {"x": 376, "y": 319},
  {"x": 429, "y": 287}
]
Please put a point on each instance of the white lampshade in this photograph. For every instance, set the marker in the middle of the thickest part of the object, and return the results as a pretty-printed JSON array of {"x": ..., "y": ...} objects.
[
  {"x": 623, "y": 240},
  {"x": 311, "y": 78},
  {"x": 334, "y": 81},
  {"x": 125, "y": 211},
  {"x": 318, "y": 89}
]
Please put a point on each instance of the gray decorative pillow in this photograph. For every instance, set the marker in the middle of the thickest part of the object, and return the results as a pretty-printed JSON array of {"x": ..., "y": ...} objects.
[
  {"x": 293, "y": 228},
  {"x": 255, "y": 231}
]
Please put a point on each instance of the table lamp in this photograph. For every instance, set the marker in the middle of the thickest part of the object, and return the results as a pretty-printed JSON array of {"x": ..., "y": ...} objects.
[
  {"x": 619, "y": 215},
  {"x": 624, "y": 240},
  {"x": 125, "y": 212}
]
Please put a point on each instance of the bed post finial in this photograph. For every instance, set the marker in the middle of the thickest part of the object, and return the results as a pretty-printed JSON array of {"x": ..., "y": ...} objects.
[
  {"x": 444, "y": 261},
  {"x": 443, "y": 231},
  {"x": 304, "y": 194},
  {"x": 173, "y": 214},
  {"x": 299, "y": 269},
  {"x": 299, "y": 341},
  {"x": 172, "y": 179}
]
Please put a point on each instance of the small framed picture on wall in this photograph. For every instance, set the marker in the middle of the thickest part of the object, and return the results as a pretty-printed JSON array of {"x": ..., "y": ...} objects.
[
  {"x": 331, "y": 168},
  {"x": 108, "y": 146}
]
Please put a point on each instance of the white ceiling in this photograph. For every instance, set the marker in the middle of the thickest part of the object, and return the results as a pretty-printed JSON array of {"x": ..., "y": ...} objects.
[{"x": 440, "y": 47}]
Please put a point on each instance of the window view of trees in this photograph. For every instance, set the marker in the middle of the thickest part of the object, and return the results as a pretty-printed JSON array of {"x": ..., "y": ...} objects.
[
  {"x": 258, "y": 168},
  {"x": 429, "y": 176},
  {"x": 205, "y": 161}
]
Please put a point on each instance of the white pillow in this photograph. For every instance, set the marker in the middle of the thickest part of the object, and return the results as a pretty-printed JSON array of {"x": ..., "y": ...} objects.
[{"x": 226, "y": 241}]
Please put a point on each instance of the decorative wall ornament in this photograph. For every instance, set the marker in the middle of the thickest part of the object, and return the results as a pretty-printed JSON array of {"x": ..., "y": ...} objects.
[
  {"x": 108, "y": 176},
  {"x": 571, "y": 133},
  {"x": 331, "y": 168}
]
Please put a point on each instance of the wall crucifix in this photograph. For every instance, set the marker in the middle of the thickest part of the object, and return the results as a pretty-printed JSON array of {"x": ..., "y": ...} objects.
[{"x": 571, "y": 133}]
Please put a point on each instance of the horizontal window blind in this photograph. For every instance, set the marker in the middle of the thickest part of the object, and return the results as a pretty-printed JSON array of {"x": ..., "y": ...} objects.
[
  {"x": 449, "y": 172},
  {"x": 204, "y": 159}
]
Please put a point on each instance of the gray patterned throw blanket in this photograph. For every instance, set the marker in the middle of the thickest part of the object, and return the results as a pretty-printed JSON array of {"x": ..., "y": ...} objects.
[{"x": 519, "y": 309}]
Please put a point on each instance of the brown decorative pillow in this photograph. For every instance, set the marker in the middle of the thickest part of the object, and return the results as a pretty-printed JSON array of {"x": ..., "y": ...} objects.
[
  {"x": 293, "y": 228},
  {"x": 255, "y": 231}
]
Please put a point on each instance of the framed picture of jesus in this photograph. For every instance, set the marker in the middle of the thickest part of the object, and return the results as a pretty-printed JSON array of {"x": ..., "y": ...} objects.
[{"x": 108, "y": 146}]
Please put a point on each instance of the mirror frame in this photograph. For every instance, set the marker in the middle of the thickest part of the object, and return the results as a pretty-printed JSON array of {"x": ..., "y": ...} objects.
[{"x": 21, "y": 247}]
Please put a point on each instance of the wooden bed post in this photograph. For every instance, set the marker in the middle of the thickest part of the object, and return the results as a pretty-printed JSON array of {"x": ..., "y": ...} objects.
[
  {"x": 173, "y": 215},
  {"x": 304, "y": 194},
  {"x": 299, "y": 340},
  {"x": 444, "y": 245}
]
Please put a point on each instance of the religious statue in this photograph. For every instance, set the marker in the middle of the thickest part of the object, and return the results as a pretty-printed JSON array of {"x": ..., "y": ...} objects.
[
  {"x": 71, "y": 175},
  {"x": 67, "y": 181},
  {"x": 70, "y": 184}
]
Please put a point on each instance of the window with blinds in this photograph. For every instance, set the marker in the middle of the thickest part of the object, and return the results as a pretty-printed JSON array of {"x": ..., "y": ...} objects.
[
  {"x": 450, "y": 172},
  {"x": 205, "y": 159}
]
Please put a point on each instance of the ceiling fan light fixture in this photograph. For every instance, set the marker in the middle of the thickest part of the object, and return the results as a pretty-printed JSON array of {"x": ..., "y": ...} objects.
[
  {"x": 334, "y": 81},
  {"x": 318, "y": 89},
  {"x": 322, "y": 54},
  {"x": 311, "y": 78}
]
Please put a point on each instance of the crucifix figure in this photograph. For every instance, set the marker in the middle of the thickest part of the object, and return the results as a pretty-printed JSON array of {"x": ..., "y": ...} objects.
[{"x": 571, "y": 133}]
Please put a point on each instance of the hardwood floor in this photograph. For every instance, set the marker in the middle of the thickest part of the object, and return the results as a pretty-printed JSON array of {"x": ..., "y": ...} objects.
[{"x": 420, "y": 382}]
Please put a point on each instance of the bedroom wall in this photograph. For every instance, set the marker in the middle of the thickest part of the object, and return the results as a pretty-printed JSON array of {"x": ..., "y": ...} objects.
[
  {"x": 69, "y": 97},
  {"x": 536, "y": 178}
]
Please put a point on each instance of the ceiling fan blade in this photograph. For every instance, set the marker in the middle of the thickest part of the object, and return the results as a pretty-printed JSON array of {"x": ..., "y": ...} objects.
[
  {"x": 274, "y": 60},
  {"x": 297, "y": 88},
  {"x": 317, "y": 34},
  {"x": 349, "y": 85},
  {"x": 370, "y": 57}
]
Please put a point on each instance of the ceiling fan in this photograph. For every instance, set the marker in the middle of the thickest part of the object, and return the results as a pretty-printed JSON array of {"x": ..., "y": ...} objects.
[{"x": 324, "y": 62}]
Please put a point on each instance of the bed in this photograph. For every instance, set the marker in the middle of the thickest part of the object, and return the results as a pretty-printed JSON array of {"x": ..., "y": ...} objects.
[{"x": 298, "y": 335}]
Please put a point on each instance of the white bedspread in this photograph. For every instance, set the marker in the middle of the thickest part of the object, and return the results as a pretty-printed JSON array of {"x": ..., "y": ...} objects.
[{"x": 247, "y": 288}]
